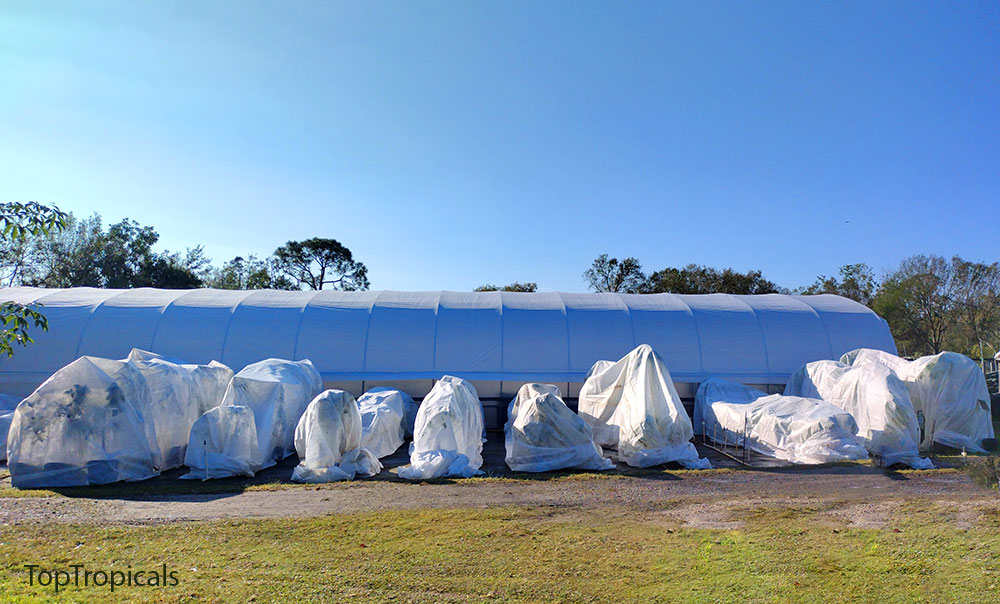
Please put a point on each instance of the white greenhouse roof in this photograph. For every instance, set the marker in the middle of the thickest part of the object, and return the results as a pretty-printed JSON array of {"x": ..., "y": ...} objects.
[{"x": 478, "y": 335}]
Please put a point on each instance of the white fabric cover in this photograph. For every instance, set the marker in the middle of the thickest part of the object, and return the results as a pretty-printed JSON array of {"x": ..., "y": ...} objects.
[
  {"x": 948, "y": 388},
  {"x": 384, "y": 414},
  {"x": 133, "y": 383},
  {"x": 447, "y": 437},
  {"x": 718, "y": 390},
  {"x": 277, "y": 392},
  {"x": 542, "y": 434},
  {"x": 171, "y": 408},
  {"x": 632, "y": 407},
  {"x": 210, "y": 381},
  {"x": 489, "y": 336},
  {"x": 796, "y": 429},
  {"x": 878, "y": 400},
  {"x": 79, "y": 427},
  {"x": 223, "y": 443},
  {"x": 7, "y": 405},
  {"x": 328, "y": 441}
]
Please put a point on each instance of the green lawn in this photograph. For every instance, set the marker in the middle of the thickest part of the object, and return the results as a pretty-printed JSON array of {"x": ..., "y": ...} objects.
[{"x": 791, "y": 554}]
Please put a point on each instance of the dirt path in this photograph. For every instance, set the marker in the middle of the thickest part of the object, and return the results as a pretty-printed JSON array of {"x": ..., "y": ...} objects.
[
  {"x": 858, "y": 495},
  {"x": 861, "y": 494}
]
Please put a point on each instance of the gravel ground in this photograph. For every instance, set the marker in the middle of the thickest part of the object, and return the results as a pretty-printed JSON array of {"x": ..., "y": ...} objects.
[{"x": 851, "y": 494}]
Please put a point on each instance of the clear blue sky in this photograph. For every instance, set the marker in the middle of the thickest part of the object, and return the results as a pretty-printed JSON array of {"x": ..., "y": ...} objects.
[{"x": 452, "y": 144}]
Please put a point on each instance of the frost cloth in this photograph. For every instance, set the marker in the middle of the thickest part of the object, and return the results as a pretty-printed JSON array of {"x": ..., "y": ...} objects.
[{"x": 632, "y": 407}]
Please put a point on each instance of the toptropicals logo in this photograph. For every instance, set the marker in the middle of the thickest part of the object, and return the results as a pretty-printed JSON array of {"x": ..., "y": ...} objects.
[{"x": 77, "y": 575}]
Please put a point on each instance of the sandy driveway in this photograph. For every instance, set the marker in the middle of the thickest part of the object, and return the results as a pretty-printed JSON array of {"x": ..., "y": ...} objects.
[{"x": 697, "y": 496}]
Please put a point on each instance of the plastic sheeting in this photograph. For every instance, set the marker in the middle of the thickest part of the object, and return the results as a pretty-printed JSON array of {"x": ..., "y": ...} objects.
[
  {"x": 948, "y": 388},
  {"x": 132, "y": 382},
  {"x": 542, "y": 434},
  {"x": 796, "y": 429},
  {"x": 632, "y": 406},
  {"x": 509, "y": 336},
  {"x": 384, "y": 413},
  {"x": 447, "y": 437},
  {"x": 328, "y": 441},
  {"x": 223, "y": 443},
  {"x": 277, "y": 392},
  {"x": 171, "y": 408},
  {"x": 79, "y": 427},
  {"x": 7, "y": 405},
  {"x": 878, "y": 400},
  {"x": 210, "y": 381}
]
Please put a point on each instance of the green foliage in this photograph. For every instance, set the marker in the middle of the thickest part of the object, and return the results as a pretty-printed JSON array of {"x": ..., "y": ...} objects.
[
  {"x": 626, "y": 276},
  {"x": 316, "y": 263},
  {"x": 696, "y": 279},
  {"x": 21, "y": 223},
  {"x": 857, "y": 282},
  {"x": 83, "y": 253},
  {"x": 248, "y": 273},
  {"x": 121, "y": 257},
  {"x": 781, "y": 553},
  {"x": 933, "y": 304},
  {"x": 613, "y": 275},
  {"x": 17, "y": 319},
  {"x": 984, "y": 471},
  {"x": 516, "y": 286}
]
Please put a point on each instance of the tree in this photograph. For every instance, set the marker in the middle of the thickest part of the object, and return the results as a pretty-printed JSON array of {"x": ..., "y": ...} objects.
[
  {"x": 917, "y": 300},
  {"x": 248, "y": 273},
  {"x": 21, "y": 222},
  {"x": 68, "y": 258},
  {"x": 317, "y": 262},
  {"x": 976, "y": 293},
  {"x": 697, "y": 279},
  {"x": 857, "y": 282},
  {"x": 84, "y": 254},
  {"x": 613, "y": 275},
  {"x": 516, "y": 286}
]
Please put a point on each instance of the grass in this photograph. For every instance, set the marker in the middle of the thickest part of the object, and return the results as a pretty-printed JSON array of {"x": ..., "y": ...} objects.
[
  {"x": 278, "y": 479},
  {"x": 525, "y": 555}
]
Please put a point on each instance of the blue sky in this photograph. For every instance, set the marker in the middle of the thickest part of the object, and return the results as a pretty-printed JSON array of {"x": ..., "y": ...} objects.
[{"x": 452, "y": 144}]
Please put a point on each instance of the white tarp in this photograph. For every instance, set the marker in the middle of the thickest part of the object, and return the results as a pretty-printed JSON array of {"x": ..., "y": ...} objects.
[
  {"x": 223, "y": 443},
  {"x": 632, "y": 407},
  {"x": 948, "y": 388},
  {"x": 384, "y": 414},
  {"x": 878, "y": 400},
  {"x": 210, "y": 381},
  {"x": 542, "y": 434},
  {"x": 133, "y": 383},
  {"x": 328, "y": 441},
  {"x": 171, "y": 408},
  {"x": 79, "y": 427},
  {"x": 494, "y": 336},
  {"x": 718, "y": 390},
  {"x": 447, "y": 436},
  {"x": 796, "y": 429},
  {"x": 277, "y": 392},
  {"x": 7, "y": 405}
]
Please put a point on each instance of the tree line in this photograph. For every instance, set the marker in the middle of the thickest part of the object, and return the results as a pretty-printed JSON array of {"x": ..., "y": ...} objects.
[
  {"x": 932, "y": 303},
  {"x": 82, "y": 252}
]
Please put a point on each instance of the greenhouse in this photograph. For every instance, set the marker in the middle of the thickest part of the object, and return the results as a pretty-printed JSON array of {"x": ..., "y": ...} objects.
[{"x": 406, "y": 340}]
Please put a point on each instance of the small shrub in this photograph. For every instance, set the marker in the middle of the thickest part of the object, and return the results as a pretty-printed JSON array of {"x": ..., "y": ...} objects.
[{"x": 984, "y": 471}]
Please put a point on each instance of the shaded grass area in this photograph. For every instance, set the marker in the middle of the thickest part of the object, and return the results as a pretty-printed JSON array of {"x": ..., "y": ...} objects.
[
  {"x": 279, "y": 478},
  {"x": 169, "y": 484},
  {"x": 792, "y": 554}
]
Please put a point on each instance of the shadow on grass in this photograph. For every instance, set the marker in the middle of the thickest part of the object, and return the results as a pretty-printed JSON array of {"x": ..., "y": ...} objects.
[{"x": 168, "y": 485}]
